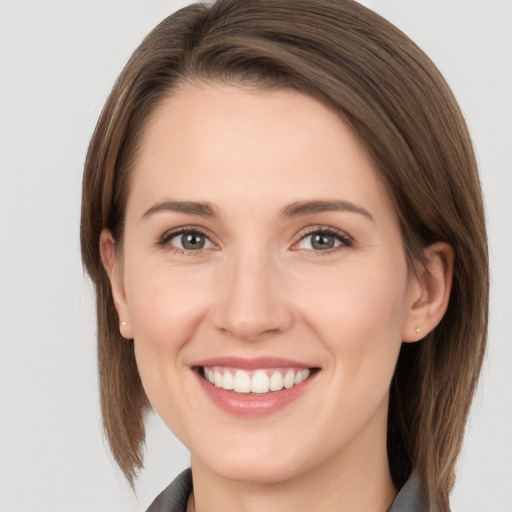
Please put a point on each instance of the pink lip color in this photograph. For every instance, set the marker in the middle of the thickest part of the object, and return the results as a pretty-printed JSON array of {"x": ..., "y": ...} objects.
[{"x": 252, "y": 405}]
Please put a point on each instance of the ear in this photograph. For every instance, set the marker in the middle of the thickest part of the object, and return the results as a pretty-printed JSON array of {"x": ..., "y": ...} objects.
[
  {"x": 113, "y": 267},
  {"x": 429, "y": 292}
]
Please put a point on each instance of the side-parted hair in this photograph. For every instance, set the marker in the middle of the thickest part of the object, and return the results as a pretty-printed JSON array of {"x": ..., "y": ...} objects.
[{"x": 402, "y": 110}]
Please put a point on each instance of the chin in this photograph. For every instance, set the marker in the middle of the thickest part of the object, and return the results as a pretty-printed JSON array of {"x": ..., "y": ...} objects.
[
  {"x": 257, "y": 472},
  {"x": 269, "y": 465}
]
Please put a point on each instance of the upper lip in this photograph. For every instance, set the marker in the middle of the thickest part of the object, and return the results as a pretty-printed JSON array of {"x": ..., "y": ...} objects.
[{"x": 252, "y": 363}]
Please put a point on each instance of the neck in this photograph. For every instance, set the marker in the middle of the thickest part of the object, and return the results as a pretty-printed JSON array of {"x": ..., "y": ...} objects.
[{"x": 356, "y": 479}]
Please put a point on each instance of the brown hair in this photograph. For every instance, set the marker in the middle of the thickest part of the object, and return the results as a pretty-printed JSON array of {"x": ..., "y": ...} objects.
[{"x": 401, "y": 108}]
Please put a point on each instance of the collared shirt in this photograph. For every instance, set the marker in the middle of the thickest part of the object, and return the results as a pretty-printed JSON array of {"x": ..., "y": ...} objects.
[{"x": 175, "y": 497}]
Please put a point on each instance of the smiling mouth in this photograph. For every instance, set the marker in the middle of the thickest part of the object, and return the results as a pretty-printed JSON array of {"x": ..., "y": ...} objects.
[{"x": 260, "y": 381}]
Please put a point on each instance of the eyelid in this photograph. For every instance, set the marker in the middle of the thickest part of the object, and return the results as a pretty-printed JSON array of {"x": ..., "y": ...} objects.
[
  {"x": 345, "y": 239},
  {"x": 164, "y": 239}
]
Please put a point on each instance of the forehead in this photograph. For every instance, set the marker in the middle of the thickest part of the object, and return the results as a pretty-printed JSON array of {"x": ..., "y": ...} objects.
[{"x": 216, "y": 141}]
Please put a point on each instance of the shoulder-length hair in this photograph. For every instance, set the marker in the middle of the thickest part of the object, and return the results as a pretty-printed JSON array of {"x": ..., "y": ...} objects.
[{"x": 401, "y": 108}]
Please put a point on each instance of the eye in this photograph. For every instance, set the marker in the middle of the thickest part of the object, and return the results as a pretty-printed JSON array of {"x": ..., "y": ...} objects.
[
  {"x": 324, "y": 240},
  {"x": 187, "y": 240}
]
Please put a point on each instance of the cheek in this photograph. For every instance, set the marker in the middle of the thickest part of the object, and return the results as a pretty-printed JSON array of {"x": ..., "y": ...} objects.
[
  {"x": 358, "y": 317},
  {"x": 358, "y": 298},
  {"x": 165, "y": 305},
  {"x": 359, "y": 314},
  {"x": 166, "y": 309}
]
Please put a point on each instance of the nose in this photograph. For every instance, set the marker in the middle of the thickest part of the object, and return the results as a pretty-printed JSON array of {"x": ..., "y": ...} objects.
[{"x": 252, "y": 301}]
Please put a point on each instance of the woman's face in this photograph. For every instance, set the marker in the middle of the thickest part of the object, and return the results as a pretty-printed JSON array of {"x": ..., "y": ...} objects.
[{"x": 261, "y": 248}]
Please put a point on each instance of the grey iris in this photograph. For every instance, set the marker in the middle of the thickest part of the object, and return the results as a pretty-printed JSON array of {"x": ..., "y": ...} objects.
[
  {"x": 191, "y": 241},
  {"x": 322, "y": 241}
]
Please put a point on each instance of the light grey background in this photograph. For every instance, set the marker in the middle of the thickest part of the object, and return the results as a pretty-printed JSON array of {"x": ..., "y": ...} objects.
[{"x": 58, "y": 60}]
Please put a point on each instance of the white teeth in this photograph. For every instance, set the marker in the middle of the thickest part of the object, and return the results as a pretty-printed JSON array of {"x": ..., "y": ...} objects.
[
  {"x": 289, "y": 379},
  {"x": 242, "y": 382},
  {"x": 276, "y": 382},
  {"x": 302, "y": 375},
  {"x": 228, "y": 382},
  {"x": 262, "y": 381}
]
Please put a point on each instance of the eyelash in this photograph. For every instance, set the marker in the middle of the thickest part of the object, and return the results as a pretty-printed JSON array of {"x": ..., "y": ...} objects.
[
  {"x": 163, "y": 241},
  {"x": 346, "y": 241},
  {"x": 342, "y": 237}
]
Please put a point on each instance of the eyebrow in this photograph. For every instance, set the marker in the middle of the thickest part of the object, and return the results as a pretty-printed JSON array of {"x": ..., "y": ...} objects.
[
  {"x": 301, "y": 208},
  {"x": 202, "y": 209},
  {"x": 296, "y": 209}
]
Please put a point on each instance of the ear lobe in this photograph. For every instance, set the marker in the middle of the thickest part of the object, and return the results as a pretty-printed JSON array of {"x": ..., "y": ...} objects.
[
  {"x": 429, "y": 292},
  {"x": 113, "y": 268}
]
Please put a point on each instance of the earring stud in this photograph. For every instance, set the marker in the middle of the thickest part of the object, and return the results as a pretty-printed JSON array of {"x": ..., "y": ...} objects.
[
  {"x": 418, "y": 330},
  {"x": 123, "y": 324}
]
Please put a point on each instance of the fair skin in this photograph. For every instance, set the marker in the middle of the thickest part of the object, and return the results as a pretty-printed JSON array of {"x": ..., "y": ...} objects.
[{"x": 255, "y": 281}]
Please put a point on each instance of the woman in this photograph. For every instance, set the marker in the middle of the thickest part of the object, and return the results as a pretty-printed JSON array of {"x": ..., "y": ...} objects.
[{"x": 283, "y": 221}]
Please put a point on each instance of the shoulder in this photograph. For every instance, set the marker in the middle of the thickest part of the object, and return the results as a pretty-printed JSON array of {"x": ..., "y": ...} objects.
[{"x": 175, "y": 497}]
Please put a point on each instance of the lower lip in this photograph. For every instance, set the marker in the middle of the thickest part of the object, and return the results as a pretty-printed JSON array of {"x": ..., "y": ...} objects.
[{"x": 252, "y": 405}]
